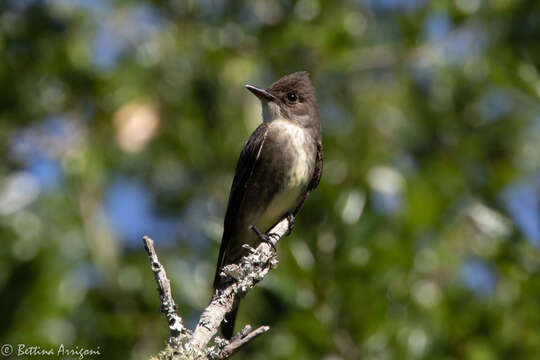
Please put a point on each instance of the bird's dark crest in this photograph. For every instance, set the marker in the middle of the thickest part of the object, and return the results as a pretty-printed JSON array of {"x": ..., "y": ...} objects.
[{"x": 298, "y": 82}]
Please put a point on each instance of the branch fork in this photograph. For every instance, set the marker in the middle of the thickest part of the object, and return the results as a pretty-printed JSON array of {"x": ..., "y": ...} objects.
[{"x": 185, "y": 344}]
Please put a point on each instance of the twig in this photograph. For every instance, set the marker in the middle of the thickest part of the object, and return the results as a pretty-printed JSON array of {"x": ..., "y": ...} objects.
[
  {"x": 168, "y": 306},
  {"x": 241, "y": 339}
]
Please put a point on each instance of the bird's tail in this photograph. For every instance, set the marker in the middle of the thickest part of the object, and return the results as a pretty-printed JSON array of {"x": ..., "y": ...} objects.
[{"x": 227, "y": 326}]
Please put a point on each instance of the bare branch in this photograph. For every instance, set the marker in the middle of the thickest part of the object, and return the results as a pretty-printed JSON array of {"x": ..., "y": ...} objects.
[
  {"x": 241, "y": 339},
  {"x": 243, "y": 276},
  {"x": 252, "y": 269},
  {"x": 168, "y": 306}
]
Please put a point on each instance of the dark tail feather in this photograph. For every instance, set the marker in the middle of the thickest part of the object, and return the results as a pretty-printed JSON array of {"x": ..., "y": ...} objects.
[
  {"x": 217, "y": 278},
  {"x": 227, "y": 326}
]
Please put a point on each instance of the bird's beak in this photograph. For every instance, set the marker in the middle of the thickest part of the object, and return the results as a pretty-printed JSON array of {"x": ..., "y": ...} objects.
[{"x": 261, "y": 93}]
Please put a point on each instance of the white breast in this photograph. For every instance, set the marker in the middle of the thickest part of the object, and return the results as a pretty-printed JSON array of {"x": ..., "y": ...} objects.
[
  {"x": 299, "y": 171},
  {"x": 298, "y": 175}
]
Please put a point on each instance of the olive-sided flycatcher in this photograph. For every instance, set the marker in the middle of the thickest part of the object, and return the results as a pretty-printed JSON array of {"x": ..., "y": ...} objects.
[{"x": 277, "y": 169}]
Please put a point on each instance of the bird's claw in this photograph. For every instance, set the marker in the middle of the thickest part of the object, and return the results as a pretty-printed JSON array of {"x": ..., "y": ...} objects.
[{"x": 267, "y": 238}]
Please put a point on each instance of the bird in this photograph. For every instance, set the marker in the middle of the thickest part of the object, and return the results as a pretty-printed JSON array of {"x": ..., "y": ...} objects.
[{"x": 279, "y": 166}]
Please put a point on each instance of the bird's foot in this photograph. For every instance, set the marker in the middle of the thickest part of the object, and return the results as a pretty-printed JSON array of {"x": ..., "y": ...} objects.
[
  {"x": 267, "y": 238},
  {"x": 290, "y": 219}
]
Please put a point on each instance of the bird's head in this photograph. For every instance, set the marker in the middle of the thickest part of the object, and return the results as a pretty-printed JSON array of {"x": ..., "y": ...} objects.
[{"x": 291, "y": 98}]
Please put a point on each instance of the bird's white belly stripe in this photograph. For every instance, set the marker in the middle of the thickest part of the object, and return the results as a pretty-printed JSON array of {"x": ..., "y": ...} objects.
[{"x": 281, "y": 204}]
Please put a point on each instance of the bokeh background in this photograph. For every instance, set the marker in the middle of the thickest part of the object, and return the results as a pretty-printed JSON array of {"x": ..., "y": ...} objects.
[{"x": 124, "y": 118}]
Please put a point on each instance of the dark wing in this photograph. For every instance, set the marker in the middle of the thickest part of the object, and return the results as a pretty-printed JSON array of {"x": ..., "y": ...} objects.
[
  {"x": 315, "y": 179},
  {"x": 244, "y": 169}
]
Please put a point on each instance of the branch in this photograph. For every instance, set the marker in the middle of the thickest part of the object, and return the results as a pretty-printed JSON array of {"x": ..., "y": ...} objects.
[
  {"x": 238, "y": 341},
  {"x": 243, "y": 276},
  {"x": 252, "y": 269},
  {"x": 168, "y": 306}
]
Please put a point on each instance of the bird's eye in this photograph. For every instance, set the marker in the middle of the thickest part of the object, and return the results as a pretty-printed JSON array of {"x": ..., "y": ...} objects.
[{"x": 292, "y": 97}]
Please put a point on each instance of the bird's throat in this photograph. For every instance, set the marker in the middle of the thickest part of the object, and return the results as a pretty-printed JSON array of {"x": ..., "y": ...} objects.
[{"x": 270, "y": 111}]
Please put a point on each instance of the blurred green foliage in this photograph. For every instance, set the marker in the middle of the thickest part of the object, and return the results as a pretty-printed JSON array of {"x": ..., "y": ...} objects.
[{"x": 124, "y": 118}]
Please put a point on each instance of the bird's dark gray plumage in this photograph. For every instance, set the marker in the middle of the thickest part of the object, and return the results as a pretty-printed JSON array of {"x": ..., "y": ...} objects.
[{"x": 277, "y": 169}]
